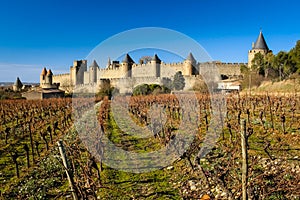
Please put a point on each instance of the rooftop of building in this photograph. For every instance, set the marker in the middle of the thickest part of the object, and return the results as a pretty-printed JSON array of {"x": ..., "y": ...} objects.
[{"x": 261, "y": 42}]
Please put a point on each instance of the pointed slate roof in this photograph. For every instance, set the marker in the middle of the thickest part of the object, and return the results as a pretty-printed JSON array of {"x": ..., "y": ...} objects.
[
  {"x": 127, "y": 59},
  {"x": 191, "y": 58},
  {"x": 156, "y": 59},
  {"x": 49, "y": 73},
  {"x": 261, "y": 42},
  {"x": 18, "y": 83},
  {"x": 44, "y": 72},
  {"x": 94, "y": 64}
]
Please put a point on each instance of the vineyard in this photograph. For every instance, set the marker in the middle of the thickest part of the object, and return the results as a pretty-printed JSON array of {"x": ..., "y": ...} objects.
[{"x": 31, "y": 166}]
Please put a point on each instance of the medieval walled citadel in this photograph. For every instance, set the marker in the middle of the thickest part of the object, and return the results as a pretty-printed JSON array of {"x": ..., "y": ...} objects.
[{"x": 126, "y": 74}]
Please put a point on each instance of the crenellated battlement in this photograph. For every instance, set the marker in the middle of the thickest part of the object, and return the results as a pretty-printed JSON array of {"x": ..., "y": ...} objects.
[
  {"x": 110, "y": 69},
  {"x": 129, "y": 73},
  {"x": 60, "y": 75},
  {"x": 175, "y": 64},
  {"x": 230, "y": 64}
]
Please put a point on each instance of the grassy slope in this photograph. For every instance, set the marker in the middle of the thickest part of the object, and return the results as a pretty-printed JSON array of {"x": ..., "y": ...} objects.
[{"x": 282, "y": 87}]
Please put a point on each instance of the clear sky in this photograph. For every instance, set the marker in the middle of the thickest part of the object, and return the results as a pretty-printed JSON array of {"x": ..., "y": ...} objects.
[{"x": 53, "y": 33}]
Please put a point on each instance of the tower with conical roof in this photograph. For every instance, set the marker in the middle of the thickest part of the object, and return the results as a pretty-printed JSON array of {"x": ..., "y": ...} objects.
[
  {"x": 155, "y": 63},
  {"x": 127, "y": 66},
  {"x": 18, "y": 85},
  {"x": 93, "y": 72},
  {"x": 43, "y": 77},
  {"x": 189, "y": 64},
  {"x": 46, "y": 79},
  {"x": 260, "y": 46},
  {"x": 49, "y": 77}
]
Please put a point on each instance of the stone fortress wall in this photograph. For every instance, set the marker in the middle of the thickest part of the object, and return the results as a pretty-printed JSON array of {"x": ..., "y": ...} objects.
[
  {"x": 127, "y": 74},
  {"x": 63, "y": 79},
  {"x": 144, "y": 70}
]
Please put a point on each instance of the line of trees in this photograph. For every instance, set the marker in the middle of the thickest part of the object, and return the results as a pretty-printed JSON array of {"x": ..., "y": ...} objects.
[
  {"x": 177, "y": 84},
  {"x": 281, "y": 66}
]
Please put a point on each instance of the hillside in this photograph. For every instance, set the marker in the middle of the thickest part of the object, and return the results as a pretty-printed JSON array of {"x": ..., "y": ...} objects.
[
  {"x": 290, "y": 86},
  {"x": 273, "y": 139}
]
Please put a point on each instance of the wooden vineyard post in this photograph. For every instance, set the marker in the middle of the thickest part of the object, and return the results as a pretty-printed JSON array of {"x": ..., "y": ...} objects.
[
  {"x": 244, "y": 158},
  {"x": 64, "y": 159},
  {"x": 15, "y": 156},
  {"x": 26, "y": 148},
  {"x": 31, "y": 142}
]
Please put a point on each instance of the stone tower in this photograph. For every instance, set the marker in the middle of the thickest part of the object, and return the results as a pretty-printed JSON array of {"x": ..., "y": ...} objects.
[
  {"x": 43, "y": 77},
  {"x": 260, "y": 46},
  {"x": 189, "y": 65},
  {"x": 155, "y": 63},
  {"x": 18, "y": 85},
  {"x": 93, "y": 72},
  {"x": 77, "y": 71},
  {"x": 48, "y": 79},
  {"x": 127, "y": 66}
]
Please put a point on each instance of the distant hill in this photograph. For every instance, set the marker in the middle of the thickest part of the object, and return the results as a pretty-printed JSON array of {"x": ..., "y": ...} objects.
[
  {"x": 11, "y": 83},
  {"x": 6, "y": 83}
]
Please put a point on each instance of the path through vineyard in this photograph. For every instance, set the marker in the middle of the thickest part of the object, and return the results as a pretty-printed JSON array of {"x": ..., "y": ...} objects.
[{"x": 29, "y": 130}]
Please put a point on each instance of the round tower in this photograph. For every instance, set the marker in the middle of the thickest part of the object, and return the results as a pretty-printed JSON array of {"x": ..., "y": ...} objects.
[
  {"x": 43, "y": 77},
  {"x": 127, "y": 66},
  {"x": 18, "y": 85},
  {"x": 189, "y": 63},
  {"x": 260, "y": 46},
  {"x": 48, "y": 79},
  {"x": 155, "y": 63},
  {"x": 93, "y": 72}
]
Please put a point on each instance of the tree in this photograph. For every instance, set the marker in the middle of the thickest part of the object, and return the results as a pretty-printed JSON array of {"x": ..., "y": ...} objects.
[
  {"x": 269, "y": 65},
  {"x": 143, "y": 89},
  {"x": 282, "y": 65},
  {"x": 280, "y": 62},
  {"x": 167, "y": 83},
  {"x": 154, "y": 89},
  {"x": 258, "y": 64},
  {"x": 178, "y": 82},
  {"x": 145, "y": 59},
  {"x": 294, "y": 58},
  {"x": 107, "y": 90},
  {"x": 200, "y": 86}
]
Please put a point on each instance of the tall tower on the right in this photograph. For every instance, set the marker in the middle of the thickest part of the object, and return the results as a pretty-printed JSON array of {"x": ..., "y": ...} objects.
[{"x": 260, "y": 46}]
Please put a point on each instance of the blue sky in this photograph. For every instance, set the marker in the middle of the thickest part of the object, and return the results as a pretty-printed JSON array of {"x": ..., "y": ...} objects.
[{"x": 36, "y": 34}]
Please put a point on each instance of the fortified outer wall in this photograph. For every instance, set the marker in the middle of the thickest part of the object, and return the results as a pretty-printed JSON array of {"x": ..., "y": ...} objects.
[
  {"x": 126, "y": 85},
  {"x": 169, "y": 69},
  {"x": 63, "y": 79},
  {"x": 145, "y": 73},
  {"x": 230, "y": 69},
  {"x": 143, "y": 70},
  {"x": 190, "y": 81},
  {"x": 110, "y": 73},
  {"x": 86, "y": 77}
]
